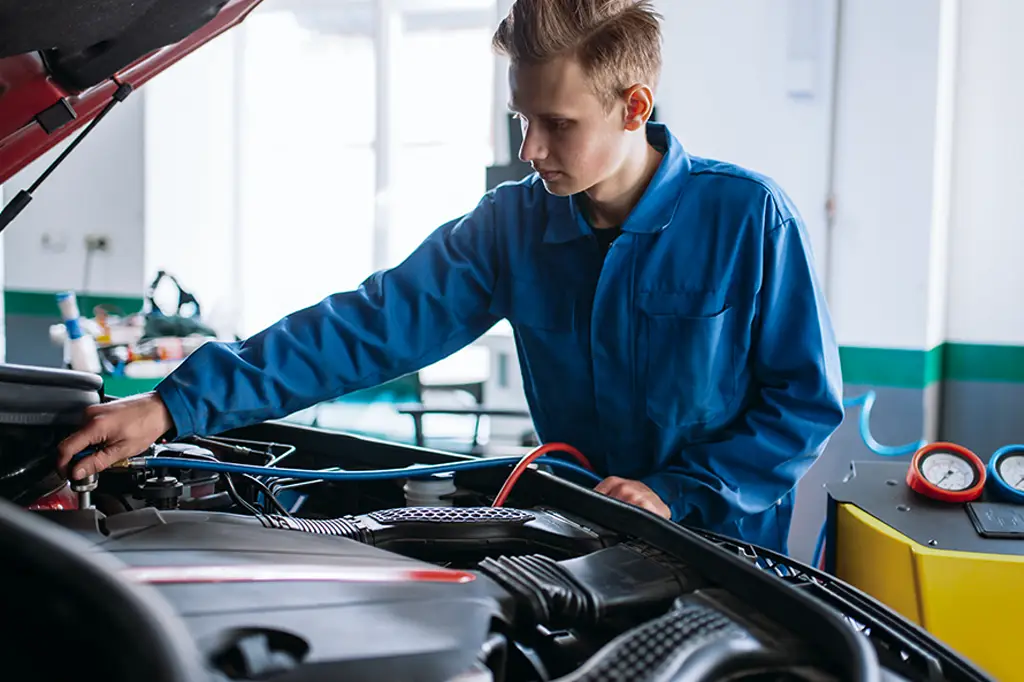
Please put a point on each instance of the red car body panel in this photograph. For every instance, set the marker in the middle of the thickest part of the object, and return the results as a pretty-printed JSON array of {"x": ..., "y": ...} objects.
[{"x": 26, "y": 90}]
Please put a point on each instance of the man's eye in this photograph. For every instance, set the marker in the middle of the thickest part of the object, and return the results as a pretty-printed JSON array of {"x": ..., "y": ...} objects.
[{"x": 559, "y": 124}]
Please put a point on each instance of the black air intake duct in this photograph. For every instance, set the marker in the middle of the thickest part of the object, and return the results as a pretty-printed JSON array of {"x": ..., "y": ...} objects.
[
  {"x": 429, "y": 532},
  {"x": 596, "y": 589}
]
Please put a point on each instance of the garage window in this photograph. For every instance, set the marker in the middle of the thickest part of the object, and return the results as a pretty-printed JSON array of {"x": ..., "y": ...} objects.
[
  {"x": 348, "y": 121},
  {"x": 304, "y": 149}
]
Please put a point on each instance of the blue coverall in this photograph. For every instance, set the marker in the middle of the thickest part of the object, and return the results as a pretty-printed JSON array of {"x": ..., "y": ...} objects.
[{"x": 698, "y": 357}]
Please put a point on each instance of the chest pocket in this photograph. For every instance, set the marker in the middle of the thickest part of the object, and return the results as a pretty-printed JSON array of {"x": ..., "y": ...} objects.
[{"x": 690, "y": 359}]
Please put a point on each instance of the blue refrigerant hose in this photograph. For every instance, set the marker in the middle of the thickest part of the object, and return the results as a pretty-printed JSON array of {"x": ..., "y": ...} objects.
[
  {"x": 866, "y": 401},
  {"x": 358, "y": 475}
]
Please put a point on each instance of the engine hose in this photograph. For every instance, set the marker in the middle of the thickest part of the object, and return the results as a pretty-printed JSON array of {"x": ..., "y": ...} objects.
[
  {"x": 866, "y": 401},
  {"x": 367, "y": 475}
]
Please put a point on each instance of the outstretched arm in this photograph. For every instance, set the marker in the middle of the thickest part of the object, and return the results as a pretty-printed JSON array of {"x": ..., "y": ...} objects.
[{"x": 398, "y": 321}]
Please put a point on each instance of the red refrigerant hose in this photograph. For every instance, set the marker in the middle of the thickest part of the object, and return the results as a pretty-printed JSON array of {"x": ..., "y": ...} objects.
[{"x": 527, "y": 459}]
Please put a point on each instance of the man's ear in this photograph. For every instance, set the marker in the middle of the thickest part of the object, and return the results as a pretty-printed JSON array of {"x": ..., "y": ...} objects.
[{"x": 639, "y": 106}]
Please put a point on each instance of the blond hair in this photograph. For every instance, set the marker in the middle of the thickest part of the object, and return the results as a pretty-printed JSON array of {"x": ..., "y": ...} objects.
[{"x": 617, "y": 42}]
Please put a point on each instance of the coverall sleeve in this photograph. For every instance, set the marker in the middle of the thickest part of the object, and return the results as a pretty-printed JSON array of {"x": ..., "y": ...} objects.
[
  {"x": 398, "y": 321},
  {"x": 793, "y": 409}
]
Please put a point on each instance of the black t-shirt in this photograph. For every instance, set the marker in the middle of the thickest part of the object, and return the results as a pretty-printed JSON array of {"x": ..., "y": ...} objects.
[{"x": 605, "y": 237}]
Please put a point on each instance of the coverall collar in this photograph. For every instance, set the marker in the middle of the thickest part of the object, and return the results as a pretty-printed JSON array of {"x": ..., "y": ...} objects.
[{"x": 656, "y": 207}]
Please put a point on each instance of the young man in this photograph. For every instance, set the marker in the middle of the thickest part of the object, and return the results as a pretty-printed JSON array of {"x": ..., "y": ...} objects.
[{"x": 666, "y": 312}]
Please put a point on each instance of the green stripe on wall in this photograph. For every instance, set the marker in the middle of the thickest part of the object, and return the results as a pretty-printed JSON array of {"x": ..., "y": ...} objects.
[
  {"x": 900, "y": 368},
  {"x": 44, "y": 304},
  {"x": 890, "y": 366},
  {"x": 975, "y": 362}
]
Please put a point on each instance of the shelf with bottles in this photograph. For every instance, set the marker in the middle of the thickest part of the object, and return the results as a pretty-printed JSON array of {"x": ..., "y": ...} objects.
[{"x": 121, "y": 346}]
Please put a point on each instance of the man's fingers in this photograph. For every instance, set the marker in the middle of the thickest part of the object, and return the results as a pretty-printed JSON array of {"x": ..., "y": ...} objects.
[
  {"x": 648, "y": 505},
  {"x": 113, "y": 432},
  {"x": 76, "y": 442},
  {"x": 642, "y": 501},
  {"x": 634, "y": 493},
  {"x": 95, "y": 463},
  {"x": 633, "y": 497},
  {"x": 608, "y": 485}
]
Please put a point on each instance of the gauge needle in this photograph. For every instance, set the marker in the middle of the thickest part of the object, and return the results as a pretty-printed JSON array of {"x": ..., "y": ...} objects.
[
  {"x": 948, "y": 474},
  {"x": 1019, "y": 482}
]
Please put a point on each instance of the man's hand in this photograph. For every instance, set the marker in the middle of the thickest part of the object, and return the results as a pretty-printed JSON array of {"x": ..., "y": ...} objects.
[
  {"x": 633, "y": 492},
  {"x": 120, "y": 429}
]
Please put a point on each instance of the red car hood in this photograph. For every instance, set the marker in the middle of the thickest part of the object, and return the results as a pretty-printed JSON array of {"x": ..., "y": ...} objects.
[{"x": 62, "y": 60}]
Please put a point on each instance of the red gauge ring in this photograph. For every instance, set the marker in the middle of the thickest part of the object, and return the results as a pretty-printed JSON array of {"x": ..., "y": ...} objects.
[{"x": 919, "y": 484}]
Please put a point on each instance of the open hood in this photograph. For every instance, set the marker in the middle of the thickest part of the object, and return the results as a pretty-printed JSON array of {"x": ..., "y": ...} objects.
[{"x": 63, "y": 61}]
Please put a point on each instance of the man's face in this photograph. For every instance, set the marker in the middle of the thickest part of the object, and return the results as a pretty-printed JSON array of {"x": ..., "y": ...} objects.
[{"x": 569, "y": 136}]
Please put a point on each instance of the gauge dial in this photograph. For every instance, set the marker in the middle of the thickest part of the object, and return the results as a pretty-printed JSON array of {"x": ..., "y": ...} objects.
[
  {"x": 948, "y": 471},
  {"x": 1006, "y": 474},
  {"x": 1011, "y": 470}
]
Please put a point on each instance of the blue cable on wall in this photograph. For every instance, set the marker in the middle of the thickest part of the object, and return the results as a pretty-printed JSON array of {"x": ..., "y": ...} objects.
[{"x": 866, "y": 402}]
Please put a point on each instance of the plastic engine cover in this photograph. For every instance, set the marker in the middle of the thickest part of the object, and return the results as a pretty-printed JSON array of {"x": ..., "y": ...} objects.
[{"x": 257, "y": 596}]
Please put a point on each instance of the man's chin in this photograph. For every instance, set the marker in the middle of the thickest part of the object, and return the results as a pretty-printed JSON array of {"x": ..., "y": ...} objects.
[{"x": 560, "y": 186}]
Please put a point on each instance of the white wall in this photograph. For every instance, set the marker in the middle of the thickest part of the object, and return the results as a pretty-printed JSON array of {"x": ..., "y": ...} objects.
[
  {"x": 888, "y": 132},
  {"x": 749, "y": 82},
  {"x": 99, "y": 189},
  {"x": 190, "y": 176},
  {"x": 987, "y": 280},
  {"x": 156, "y": 176}
]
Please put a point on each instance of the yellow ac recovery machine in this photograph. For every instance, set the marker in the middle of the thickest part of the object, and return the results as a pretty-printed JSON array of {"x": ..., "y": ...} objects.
[{"x": 955, "y": 569}]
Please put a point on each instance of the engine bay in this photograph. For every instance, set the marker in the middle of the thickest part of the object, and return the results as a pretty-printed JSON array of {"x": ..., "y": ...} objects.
[
  {"x": 330, "y": 584},
  {"x": 294, "y": 553},
  {"x": 262, "y": 601}
]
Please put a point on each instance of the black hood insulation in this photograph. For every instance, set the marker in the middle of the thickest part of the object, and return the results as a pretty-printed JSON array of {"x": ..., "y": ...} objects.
[{"x": 85, "y": 42}]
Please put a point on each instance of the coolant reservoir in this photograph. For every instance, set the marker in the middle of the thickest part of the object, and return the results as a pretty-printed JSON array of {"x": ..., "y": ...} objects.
[{"x": 433, "y": 491}]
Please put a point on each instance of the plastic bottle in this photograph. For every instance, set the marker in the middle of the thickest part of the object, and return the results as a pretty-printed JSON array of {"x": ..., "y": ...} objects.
[{"x": 82, "y": 354}]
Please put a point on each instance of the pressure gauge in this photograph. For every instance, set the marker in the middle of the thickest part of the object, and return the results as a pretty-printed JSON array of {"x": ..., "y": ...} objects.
[
  {"x": 1006, "y": 474},
  {"x": 946, "y": 472}
]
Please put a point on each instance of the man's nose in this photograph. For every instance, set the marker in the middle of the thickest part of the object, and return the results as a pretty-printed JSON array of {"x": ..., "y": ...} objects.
[{"x": 533, "y": 148}]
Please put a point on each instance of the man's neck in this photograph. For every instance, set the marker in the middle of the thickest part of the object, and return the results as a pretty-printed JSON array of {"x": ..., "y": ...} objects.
[{"x": 610, "y": 202}]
